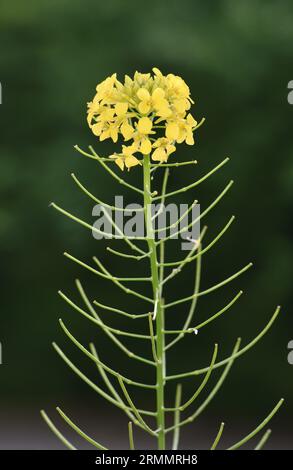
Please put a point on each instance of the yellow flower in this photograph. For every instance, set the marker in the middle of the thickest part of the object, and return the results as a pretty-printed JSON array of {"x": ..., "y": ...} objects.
[
  {"x": 121, "y": 109},
  {"x": 105, "y": 130},
  {"x": 163, "y": 148},
  {"x": 151, "y": 111},
  {"x": 105, "y": 89},
  {"x": 186, "y": 127},
  {"x": 179, "y": 93},
  {"x": 122, "y": 121},
  {"x": 144, "y": 125},
  {"x": 93, "y": 109},
  {"x": 142, "y": 78},
  {"x": 126, "y": 158},
  {"x": 126, "y": 130},
  {"x": 172, "y": 130},
  {"x": 151, "y": 102},
  {"x": 144, "y": 128},
  {"x": 145, "y": 145}
]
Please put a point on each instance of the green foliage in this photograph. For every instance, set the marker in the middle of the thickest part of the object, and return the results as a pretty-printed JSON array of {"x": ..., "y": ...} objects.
[{"x": 155, "y": 323}]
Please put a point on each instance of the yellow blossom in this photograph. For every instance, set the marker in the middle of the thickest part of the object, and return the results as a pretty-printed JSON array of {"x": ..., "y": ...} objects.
[
  {"x": 126, "y": 158},
  {"x": 142, "y": 78},
  {"x": 105, "y": 89},
  {"x": 151, "y": 111},
  {"x": 172, "y": 130},
  {"x": 144, "y": 125},
  {"x": 163, "y": 148},
  {"x": 186, "y": 127},
  {"x": 144, "y": 128},
  {"x": 126, "y": 130},
  {"x": 151, "y": 102}
]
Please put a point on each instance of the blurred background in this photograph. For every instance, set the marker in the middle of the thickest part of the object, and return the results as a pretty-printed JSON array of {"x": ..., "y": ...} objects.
[{"x": 237, "y": 59}]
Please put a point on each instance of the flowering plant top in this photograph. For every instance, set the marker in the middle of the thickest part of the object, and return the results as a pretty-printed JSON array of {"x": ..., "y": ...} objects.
[{"x": 151, "y": 112}]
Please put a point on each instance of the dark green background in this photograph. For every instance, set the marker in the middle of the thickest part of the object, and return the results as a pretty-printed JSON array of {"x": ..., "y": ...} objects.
[{"x": 237, "y": 59}]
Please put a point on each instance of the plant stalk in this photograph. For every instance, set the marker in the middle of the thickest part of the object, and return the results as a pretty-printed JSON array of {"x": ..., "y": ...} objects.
[{"x": 159, "y": 309}]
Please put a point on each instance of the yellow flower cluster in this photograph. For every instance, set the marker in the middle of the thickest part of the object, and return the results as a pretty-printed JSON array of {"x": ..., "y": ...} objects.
[{"x": 148, "y": 111}]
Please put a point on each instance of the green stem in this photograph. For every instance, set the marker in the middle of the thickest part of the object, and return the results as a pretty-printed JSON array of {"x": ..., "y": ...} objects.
[
  {"x": 158, "y": 309},
  {"x": 130, "y": 434}
]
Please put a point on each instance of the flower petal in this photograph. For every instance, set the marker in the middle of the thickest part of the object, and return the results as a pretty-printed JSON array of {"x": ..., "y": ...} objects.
[
  {"x": 157, "y": 72},
  {"x": 121, "y": 108},
  {"x": 126, "y": 130},
  {"x": 158, "y": 94},
  {"x": 170, "y": 149},
  {"x": 143, "y": 94},
  {"x": 113, "y": 133},
  {"x": 189, "y": 138},
  {"x": 144, "y": 107},
  {"x": 131, "y": 161},
  {"x": 145, "y": 146},
  {"x": 159, "y": 155},
  {"x": 97, "y": 128},
  {"x": 144, "y": 125},
  {"x": 190, "y": 120},
  {"x": 164, "y": 112},
  {"x": 181, "y": 105},
  {"x": 120, "y": 162},
  {"x": 172, "y": 131},
  {"x": 105, "y": 135}
]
